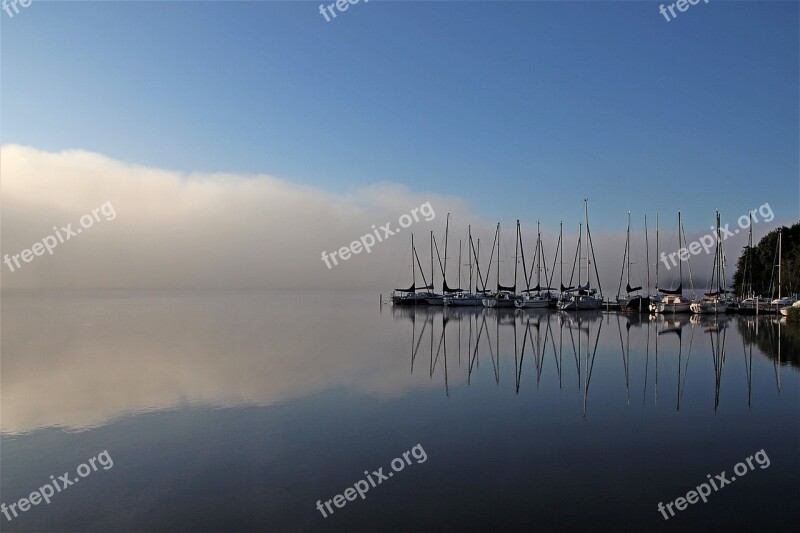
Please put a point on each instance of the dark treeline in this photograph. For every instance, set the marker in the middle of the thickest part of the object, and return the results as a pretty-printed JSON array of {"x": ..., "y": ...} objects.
[{"x": 762, "y": 260}]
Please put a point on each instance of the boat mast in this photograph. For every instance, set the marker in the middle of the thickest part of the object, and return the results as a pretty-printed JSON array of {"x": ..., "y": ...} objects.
[
  {"x": 446, "y": 232},
  {"x": 657, "y": 258},
  {"x": 497, "y": 238},
  {"x": 432, "y": 271},
  {"x": 580, "y": 236},
  {"x": 750, "y": 255},
  {"x": 469, "y": 234},
  {"x": 561, "y": 252},
  {"x": 628, "y": 250},
  {"x": 459, "y": 261},
  {"x": 413, "y": 270},
  {"x": 625, "y": 258},
  {"x": 680, "y": 260},
  {"x": 780, "y": 251},
  {"x": 688, "y": 263},
  {"x": 647, "y": 254},
  {"x": 538, "y": 256},
  {"x": 586, "y": 211},
  {"x": 516, "y": 257},
  {"x": 719, "y": 257}
]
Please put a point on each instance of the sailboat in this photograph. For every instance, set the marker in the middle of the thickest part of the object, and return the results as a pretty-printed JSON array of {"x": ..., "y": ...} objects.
[
  {"x": 786, "y": 301},
  {"x": 467, "y": 298},
  {"x": 751, "y": 303},
  {"x": 504, "y": 296},
  {"x": 631, "y": 301},
  {"x": 655, "y": 298},
  {"x": 583, "y": 297},
  {"x": 438, "y": 299},
  {"x": 714, "y": 301},
  {"x": 410, "y": 296},
  {"x": 673, "y": 300},
  {"x": 538, "y": 300}
]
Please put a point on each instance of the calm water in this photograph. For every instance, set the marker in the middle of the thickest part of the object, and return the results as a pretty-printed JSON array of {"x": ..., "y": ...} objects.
[{"x": 237, "y": 411}]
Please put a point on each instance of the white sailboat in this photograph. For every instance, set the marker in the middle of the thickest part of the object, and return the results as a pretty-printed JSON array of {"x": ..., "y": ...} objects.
[
  {"x": 539, "y": 300},
  {"x": 673, "y": 300},
  {"x": 583, "y": 297},
  {"x": 784, "y": 301},
  {"x": 467, "y": 298},
  {"x": 714, "y": 301}
]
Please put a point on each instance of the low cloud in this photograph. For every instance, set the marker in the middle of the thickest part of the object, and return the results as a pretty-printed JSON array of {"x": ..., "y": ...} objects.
[{"x": 176, "y": 230}]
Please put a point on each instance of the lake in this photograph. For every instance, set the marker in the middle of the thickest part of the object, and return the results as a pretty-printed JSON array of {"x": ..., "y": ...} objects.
[{"x": 240, "y": 410}]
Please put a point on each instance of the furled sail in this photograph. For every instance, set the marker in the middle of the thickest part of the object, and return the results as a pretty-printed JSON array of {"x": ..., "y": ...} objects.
[
  {"x": 412, "y": 288},
  {"x": 679, "y": 290},
  {"x": 512, "y": 288},
  {"x": 581, "y": 289},
  {"x": 447, "y": 289},
  {"x": 630, "y": 289}
]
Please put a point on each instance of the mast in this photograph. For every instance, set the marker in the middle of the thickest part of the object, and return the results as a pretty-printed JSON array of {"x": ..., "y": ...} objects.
[
  {"x": 497, "y": 238},
  {"x": 516, "y": 257},
  {"x": 586, "y": 211},
  {"x": 446, "y": 232},
  {"x": 538, "y": 256},
  {"x": 719, "y": 257},
  {"x": 647, "y": 254},
  {"x": 469, "y": 234},
  {"x": 780, "y": 262},
  {"x": 432, "y": 271},
  {"x": 626, "y": 257},
  {"x": 680, "y": 261},
  {"x": 750, "y": 254},
  {"x": 478, "y": 266},
  {"x": 413, "y": 270},
  {"x": 628, "y": 249},
  {"x": 459, "y": 260},
  {"x": 561, "y": 251},
  {"x": 657, "y": 257},
  {"x": 580, "y": 235}
]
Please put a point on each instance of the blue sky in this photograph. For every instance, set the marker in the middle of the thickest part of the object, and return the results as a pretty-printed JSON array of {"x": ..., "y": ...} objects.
[{"x": 522, "y": 108}]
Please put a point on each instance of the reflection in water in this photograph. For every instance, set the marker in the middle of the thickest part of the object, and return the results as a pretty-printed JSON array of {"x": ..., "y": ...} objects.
[
  {"x": 491, "y": 333},
  {"x": 78, "y": 361},
  {"x": 236, "y": 411}
]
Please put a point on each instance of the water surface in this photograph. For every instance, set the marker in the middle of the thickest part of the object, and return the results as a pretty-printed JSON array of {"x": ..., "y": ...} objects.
[{"x": 237, "y": 411}]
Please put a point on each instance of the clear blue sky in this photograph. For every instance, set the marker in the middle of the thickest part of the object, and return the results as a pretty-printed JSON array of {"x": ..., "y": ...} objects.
[{"x": 523, "y": 108}]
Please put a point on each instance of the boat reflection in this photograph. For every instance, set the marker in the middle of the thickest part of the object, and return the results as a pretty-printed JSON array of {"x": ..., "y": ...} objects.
[{"x": 505, "y": 336}]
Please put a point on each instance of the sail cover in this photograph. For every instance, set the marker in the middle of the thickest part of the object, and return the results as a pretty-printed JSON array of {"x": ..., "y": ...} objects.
[
  {"x": 679, "y": 290},
  {"x": 573, "y": 289},
  {"x": 445, "y": 288},
  {"x": 630, "y": 289},
  {"x": 512, "y": 288},
  {"x": 412, "y": 288}
]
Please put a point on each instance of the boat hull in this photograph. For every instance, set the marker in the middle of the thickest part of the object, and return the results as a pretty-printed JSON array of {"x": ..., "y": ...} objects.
[
  {"x": 580, "y": 304},
  {"x": 709, "y": 308}
]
